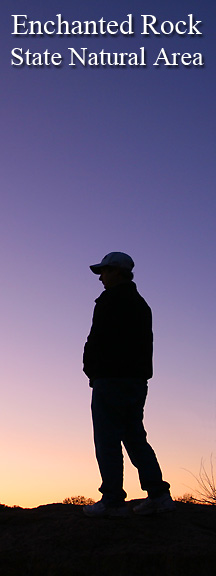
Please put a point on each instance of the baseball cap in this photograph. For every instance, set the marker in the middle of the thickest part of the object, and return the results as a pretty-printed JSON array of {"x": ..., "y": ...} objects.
[{"x": 116, "y": 259}]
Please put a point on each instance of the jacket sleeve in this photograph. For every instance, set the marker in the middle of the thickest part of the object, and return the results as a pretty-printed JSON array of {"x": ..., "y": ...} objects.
[{"x": 93, "y": 349}]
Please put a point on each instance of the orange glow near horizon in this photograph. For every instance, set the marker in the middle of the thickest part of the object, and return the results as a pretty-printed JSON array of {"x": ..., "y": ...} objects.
[{"x": 45, "y": 476}]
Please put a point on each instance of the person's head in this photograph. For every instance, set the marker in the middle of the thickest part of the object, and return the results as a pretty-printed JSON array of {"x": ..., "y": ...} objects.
[
  {"x": 112, "y": 275},
  {"x": 115, "y": 268}
]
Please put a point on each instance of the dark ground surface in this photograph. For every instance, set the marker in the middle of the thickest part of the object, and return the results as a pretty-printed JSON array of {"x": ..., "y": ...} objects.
[{"x": 58, "y": 540}]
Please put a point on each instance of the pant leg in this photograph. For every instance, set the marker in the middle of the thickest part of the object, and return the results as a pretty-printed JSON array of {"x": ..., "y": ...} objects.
[
  {"x": 107, "y": 439},
  {"x": 140, "y": 452}
]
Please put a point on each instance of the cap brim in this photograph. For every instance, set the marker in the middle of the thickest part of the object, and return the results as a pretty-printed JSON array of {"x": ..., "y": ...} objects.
[{"x": 95, "y": 268}]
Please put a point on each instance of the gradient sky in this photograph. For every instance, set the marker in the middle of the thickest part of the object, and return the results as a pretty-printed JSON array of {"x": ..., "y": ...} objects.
[{"x": 95, "y": 160}]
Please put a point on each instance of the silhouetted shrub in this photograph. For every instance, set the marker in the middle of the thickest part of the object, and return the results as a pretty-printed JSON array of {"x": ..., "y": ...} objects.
[
  {"x": 187, "y": 499},
  {"x": 206, "y": 481},
  {"x": 78, "y": 500},
  {"x": 207, "y": 484}
]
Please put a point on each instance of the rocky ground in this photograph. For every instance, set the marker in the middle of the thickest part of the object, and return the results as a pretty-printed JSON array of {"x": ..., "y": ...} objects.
[{"x": 58, "y": 540}]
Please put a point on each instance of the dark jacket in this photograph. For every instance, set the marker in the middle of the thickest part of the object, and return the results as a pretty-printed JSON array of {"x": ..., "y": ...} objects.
[{"x": 120, "y": 342}]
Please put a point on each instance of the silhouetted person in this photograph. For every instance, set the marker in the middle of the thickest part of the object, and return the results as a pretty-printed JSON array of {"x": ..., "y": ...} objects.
[{"x": 118, "y": 361}]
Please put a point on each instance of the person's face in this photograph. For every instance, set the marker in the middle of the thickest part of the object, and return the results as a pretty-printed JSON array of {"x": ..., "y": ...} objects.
[{"x": 109, "y": 276}]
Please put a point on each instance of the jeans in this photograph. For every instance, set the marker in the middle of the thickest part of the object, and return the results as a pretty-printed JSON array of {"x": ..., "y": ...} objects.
[{"x": 117, "y": 414}]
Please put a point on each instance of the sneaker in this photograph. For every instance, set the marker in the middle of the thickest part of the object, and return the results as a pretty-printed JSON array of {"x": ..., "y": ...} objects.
[
  {"x": 100, "y": 510},
  {"x": 158, "y": 505},
  {"x": 97, "y": 509}
]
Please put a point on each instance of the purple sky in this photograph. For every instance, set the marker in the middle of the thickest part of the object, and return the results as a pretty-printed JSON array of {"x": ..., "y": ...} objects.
[{"x": 95, "y": 160}]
